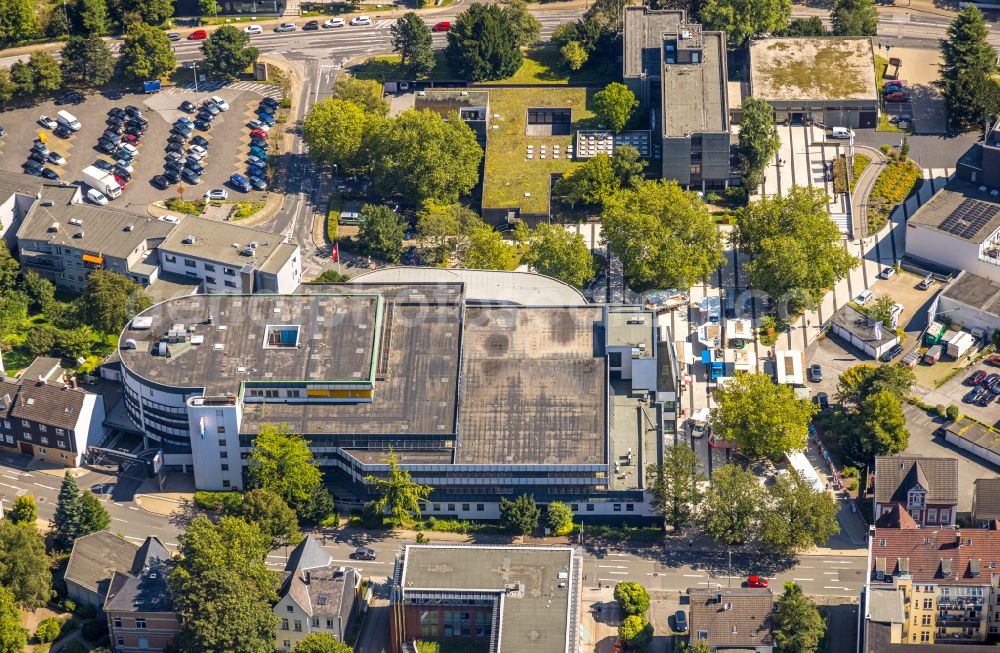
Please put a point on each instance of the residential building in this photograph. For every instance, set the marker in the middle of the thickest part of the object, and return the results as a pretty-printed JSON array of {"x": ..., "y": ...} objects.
[
  {"x": 926, "y": 488},
  {"x": 734, "y": 619},
  {"x": 228, "y": 258},
  {"x": 18, "y": 192},
  {"x": 360, "y": 368},
  {"x": 793, "y": 74},
  {"x": 946, "y": 578},
  {"x": 93, "y": 561},
  {"x": 680, "y": 69},
  {"x": 316, "y": 596},
  {"x": 45, "y": 414},
  {"x": 511, "y": 598},
  {"x": 857, "y": 330},
  {"x": 986, "y": 502},
  {"x": 981, "y": 164},
  {"x": 958, "y": 229},
  {"x": 139, "y": 607}
]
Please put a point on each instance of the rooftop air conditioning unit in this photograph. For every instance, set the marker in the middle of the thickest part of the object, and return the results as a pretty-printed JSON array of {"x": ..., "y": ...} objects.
[
  {"x": 48, "y": 203},
  {"x": 78, "y": 234},
  {"x": 129, "y": 227}
]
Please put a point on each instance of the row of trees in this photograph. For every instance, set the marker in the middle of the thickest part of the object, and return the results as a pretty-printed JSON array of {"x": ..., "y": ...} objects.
[
  {"x": 870, "y": 421},
  {"x": 19, "y": 22},
  {"x": 789, "y": 515}
]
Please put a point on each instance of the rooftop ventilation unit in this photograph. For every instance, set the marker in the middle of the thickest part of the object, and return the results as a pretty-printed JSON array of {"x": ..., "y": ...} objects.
[
  {"x": 129, "y": 227},
  {"x": 48, "y": 203},
  {"x": 78, "y": 234},
  {"x": 129, "y": 344},
  {"x": 190, "y": 240}
]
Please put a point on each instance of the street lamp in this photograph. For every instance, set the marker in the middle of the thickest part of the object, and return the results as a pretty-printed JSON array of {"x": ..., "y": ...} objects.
[{"x": 193, "y": 65}]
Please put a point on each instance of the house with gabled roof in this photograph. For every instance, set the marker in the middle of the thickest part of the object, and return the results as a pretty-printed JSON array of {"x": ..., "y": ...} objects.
[{"x": 925, "y": 488}]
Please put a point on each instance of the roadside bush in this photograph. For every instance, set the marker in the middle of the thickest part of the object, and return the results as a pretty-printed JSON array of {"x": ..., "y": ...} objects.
[
  {"x": 896, "y": 181},
  {"x": 184, "y": 206},
  {"x": 952, "y": 412},
  {"x": 224, "y": 501},
  {"x": 48, "y": 630},
  {"x": 853, "y": 485},
  {"x": 840, "y": 175},
  {"x": 941, "y": 410},
  {"x": 94, "y": 629},
  {"x": 885, "y": 149}
]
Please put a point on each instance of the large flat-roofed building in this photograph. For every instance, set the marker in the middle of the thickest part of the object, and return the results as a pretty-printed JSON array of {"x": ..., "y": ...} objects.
[
  {"x": 958, "y": 228},
  {"x": 477, "y": 400},
  {"x": 829, "y": 80},
  {"x": 678, "y": 71},
  {"x": 510, "y": 598}
]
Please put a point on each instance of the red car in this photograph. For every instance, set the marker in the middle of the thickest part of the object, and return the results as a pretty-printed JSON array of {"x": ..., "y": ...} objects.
[
  {"x": 977, "y": 378},
  {"x": 259, "y": 133},
  {"x": 894, "y": 82},
  {"x": 131, "y": 139},
  {"x": 756, "y": 581},
  {"x": 897, "y": 96},
  {"x": 197, "y": 35},
  {"x": 443, "y": 26}
]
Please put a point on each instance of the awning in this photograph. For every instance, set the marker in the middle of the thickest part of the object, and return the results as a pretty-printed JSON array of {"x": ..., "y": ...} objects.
[{"x": 93, "y": 258}]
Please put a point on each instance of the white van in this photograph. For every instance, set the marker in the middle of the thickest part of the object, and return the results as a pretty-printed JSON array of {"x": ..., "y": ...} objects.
[
  {"x": 68, "y": 120},
  {"x": 841, "y": 133}
]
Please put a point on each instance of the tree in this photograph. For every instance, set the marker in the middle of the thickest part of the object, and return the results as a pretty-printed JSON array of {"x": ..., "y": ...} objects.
[
  {"x": 797, "y": 624},
  {"x": 812, "y": 26},
  {"x": 7, "y": 88},
  {"x": 321, "y": 643},
  {"x": 881, "y": 309},
  {"x": 41, "y": 340},
  {"x": 758, "y": 140},
  {"x": 74, "y": 343},
  {"x": 281, "y": 462},
  {"x": 9, "y": 269},
  {"x": 636, "y": 631},
  {"x": 209, "y": 7},
  {"x": 222, "y": 589},
  {"x": 331, "y": 276},
  {"x": 146, "y": 53},
  {"x": 56, "y": 22},
  {"x": 521, "y": 515},
  {"x": 87, "y": 61},
  {"x": 24, "y": 510},
  {"x": 483, "y": 44},
  {"x": 68, "y": 520},
  {"x": 333, "y": 129},
  {"x": 486, "y": 249},
  {"x": 90, "y": 17},
  {"x": 270, "y": 512},
  {"x": 861, "y": 381},
  {"x": 628, "y": 167},
  {"x": 614, "y": 105},
  {"x": 632, "y": 598},
  {"x": 876, "y": 428},
  {"x": 381, "y": 232},
  {"x": 150, "y": 12},
  {"x": 366, "y": 93},
  {"x": 573, "y": 55},
  {"x": 423, "y": 157},
  {"x": 966, "y": 72},
  {"x": 17, "y": 21},
  {"x": 411, "y": 38},
  {"x": 398, "y": 494},
  {"x": 798, "y": 516},
  {"x": 797, "y": 252},
  {"x": 559, "y": 518},
  {"x": 555, "y": 252},
  {"x": 744, "y": 19},
  {"x": 441, "y": 230},
  {"x": 47, "y": 630},
  {"x": 676, "y": 485},
  {"x": 110, "y": 300},
  {"x": 527, "y": 29},
  {"x": 228, "y": 53},
  {"x": 854, "y": 18},
  {"x": 592, "y": 183},
  {"x": 764, "y": 418},
  {"x": 23, "y": 78},
  {"x": 13, "y": 638},
  {"x": 39, "y": 290},
  {"x": 46, "y": 71},
  {"x": 24, "y": 565},
  {"x": 664, "y": 235},
  {"x": 732, "y": 505},
  {"x": 93, "y": 516}
]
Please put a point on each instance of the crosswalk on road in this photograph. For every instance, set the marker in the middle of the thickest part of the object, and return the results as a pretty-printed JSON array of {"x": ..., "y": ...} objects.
[{"x": 267, "y": 90}]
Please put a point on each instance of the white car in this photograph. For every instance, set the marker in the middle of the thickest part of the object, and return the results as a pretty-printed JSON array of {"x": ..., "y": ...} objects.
[
  {"x": 286, "y": 27},
  {"x": 56, "y": 158},
  {"x": 888, "y": 273},
  {"x": 47, "y": 122},
  {"x": 219, "y": 102},
  {"x": 125, "y": 165},
  {"x": 253, "y": 29},
  {"x": 257, "y": 124},
  {"x": 217, "y": 194},
  {"x": 333, "y": 22},
  {"x": 172, "y": 219},
  {"x": 361, "y": 20},
  {"x": 97, "y": 197},
  {"x": 197, "y": 151},
  {"x": 128, "y": 147}
]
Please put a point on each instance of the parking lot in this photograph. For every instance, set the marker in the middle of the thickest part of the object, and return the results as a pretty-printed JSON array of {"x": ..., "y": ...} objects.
[{"x": 229, "y": 140}]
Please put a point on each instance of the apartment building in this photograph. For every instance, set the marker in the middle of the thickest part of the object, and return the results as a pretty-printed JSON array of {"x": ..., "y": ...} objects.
[
  {"x": 730, "y": 620},
  {"x": 925, "y": 488},
  {"x": 92, "y": 562},
  {"x": 139, "y": 607},
  {"x": 46, "y": 415},
  {"x": 945, "y": 582}
]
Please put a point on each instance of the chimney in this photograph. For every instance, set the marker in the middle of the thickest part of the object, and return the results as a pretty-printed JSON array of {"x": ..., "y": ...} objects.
[
  {"x": 958, "y": 540},
  {"x": 305, "y": 575}
]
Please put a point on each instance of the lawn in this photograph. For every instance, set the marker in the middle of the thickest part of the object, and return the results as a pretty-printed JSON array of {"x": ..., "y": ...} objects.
[
  {"x": 511, "y": 179},
  {"x": 861, "y": 162},
  {"x": 543, "y": 65},
  {"x": 387, "y": 67}
]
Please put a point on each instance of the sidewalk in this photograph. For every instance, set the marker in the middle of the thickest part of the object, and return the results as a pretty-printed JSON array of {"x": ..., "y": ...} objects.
[{"x": 852, "y": 525}]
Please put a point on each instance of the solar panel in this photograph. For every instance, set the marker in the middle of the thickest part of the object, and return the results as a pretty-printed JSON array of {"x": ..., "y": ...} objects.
[{"x": 969, "y": 218}]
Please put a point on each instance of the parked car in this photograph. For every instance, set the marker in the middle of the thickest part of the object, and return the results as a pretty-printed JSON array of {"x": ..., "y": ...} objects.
[
  {"x": 132, "y": 139},
  {"x": 310, "y": 26},
  {"x": 211, "y": 107},
  {"x": 101, "y": 164},
  {"x": 47, "y": 122},
  {"x": 680, "y": 621},
  {"x": 259, "y": 134},
  {"x": 361, "y": 20},
  {"x": 219, "y": 102},
  {"x": 106, "y": 146},
  {"x": 756, "y": 581},
  {"x": 203, "y": 125},
  {"x": 258, "y": 143},
  {"x": 183, "y": 120},
  {"x": 174, "y": 36},
  {"x": 60, "y": 131},
  {"x": 50, "y": 174},
  {"x": 971, "y": 396},
  {"x": 194, "y": 166},
  {"x": 977, "y": 378},
  {"x": 37, "y": 157},
  {"x": 254, "y": 161},
  {"x": 253, "y": 29},
  {"x": 173, "y": 176},
  {"x": 887, "y": 273},
  {"x": 240, "y": 182},
  {"x": 174, "y": 147},
  {"x": 259, "y": 125},
  {"x": 197, "y": 151},
  {"x": 893, "y": 351},
  {"x": 267, "y": 119},
  {"x": 986, "y": 397},
  {"x": 363, "y": 553},
  {"x": 176, "y": 138},
  {"x": 897, "y": 96},
  {"x": 269, "y": 102},
  {"x": 188, "y": 106},
  {"x": 174, "y": 166},
  {"x": 894, "y": 82},
  {"x": 258, "y": 183},
  {"x": 190, "y": 177},
  {"x": 200, "y": 141},
  {"x": 38, "y": 146},
  {"x": 122, "y": 164},
  {"x": 259, "y": 153},
  {"x": 217, "y": 194},
  {"x": 160, "y": 182},
  {"x": 443, "y": 26},
  {"x": 183, "y": 130},
  {"x": 333, "y": 22},
  {"x": 130, "y": 149},
  {"x": 56, "y": 158},
  {"x": 815, "y": 372},
  {"x": 133, "y": 111},
  {"x": 174, "y": 156},
  {"x": 256, "y": 171},
  {"x": 285, "y": 27},
  {"x": 863, "y": 298},
  {"x": 123, "y": 171},
  {"x": 97, "y": 197},
  {"x": 198, "y": 35}
]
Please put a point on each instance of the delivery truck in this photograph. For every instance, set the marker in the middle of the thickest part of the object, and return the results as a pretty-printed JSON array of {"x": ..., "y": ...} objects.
[
  {"x": 102, "y": 181},
  {"x": 68, "y": 120}
]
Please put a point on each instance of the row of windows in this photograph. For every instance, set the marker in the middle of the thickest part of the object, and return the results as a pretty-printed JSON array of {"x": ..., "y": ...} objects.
[
  {"x": 296, "y": 624},
  {"x": 42, "y": 428},
  {"x": 140, "y": 624},
  {"x": 27, "y": 437},
  {"x": 208, "y": 267},
  {"x": 480, "y": 507}
]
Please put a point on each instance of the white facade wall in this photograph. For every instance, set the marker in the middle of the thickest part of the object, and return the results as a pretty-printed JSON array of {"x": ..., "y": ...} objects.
[
  {"x": 168, "y": 400},
  {"x": 215, "y": 277},
  {"x": 89, "y": 429},
  {"x": 982, "y": 452},
  {"x": 970, "y": 317},
  {"x": 288, "y": 277},
  {"x": 943, "y": 249},
  {"x": 215, "y": 445}
]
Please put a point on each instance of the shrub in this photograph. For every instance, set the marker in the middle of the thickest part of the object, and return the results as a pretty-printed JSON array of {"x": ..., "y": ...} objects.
[
  {"x": 48, "y": 630},
  {"x": 69, "y": 605},
  {"x": 940, "y": 410},
  {"x": 632, "y": 598},
  {"x": 849, "y": 472},
  {"x": 86, "y": 611},
  {"x": 285, "y": 103},
  {"x": 952, "y": 412},
  {"x": 853, "y": 485},
  {"x": 713, "y": 198},
  {"x": 885, "y": 149},
  {"x": 421, "y": 538},
  {"x": 224, "y": 501},
  {"x": 94, "y": 629},
  {"x": 184, "y": 206},
  {"x": 736, "y": 195}
]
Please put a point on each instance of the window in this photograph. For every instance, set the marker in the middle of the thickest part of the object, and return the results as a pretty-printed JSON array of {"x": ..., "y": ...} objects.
[
  {"x": 209, "y": 267},
  {"x": 44, "y": 440},
  {"x": 25, "y": 423},
  {"x": 618, "y": 507},
  {"x": 928, "y": 604},
  {"x": 465, "y": 507},
  {"x": 230, "y": 284},
  {"x": 61, "y": 444},
  {"x": 289, "y": 608},
  {"x": 288, "y": 644},
  {"x": 120, "y": 640},
  {"x": 140, "y": 624},
  {"x": 629, "y": 507},
  {"x": 220, "y": 428},
  {"x": 229, "y": 272},
  {"x": 437, "y": 507},
  {"x": 329, "y": 623},
  {"x": 925, "y": 620},
  {"x": 42, "y": 450},
  {"x": 222, "y": 442},
  {"x": 278, "y": 336},
  {"x": 315, "y": 622},
  {"x": 171, "y": 258},
  {"x": 225, "y": 483},
  {"x": 211, "y": 280},
  {"x": 574, "y": 507},
  {"x": 925, "y": 637},
  {"x": 118, "y": 622},
  {"x": 590, "y": 507},
  {"x": 223, "y": 454},
  {"x": 932, "y": 514},
  {"x": 188, "y": 263},
  {"x": 225, "y": 467},
  {"x": 43, "y": 429},
  {"x": 26, "y": 436},
  {"x": 429, "y": 623},
  {"x": 297, "y": 626},
  {"x": 451, "y": 507},
  {"x": 284, "y": 622}
]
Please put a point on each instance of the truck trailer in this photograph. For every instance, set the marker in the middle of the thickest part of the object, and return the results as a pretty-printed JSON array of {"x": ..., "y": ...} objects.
[{"x": 103, "y": 181}]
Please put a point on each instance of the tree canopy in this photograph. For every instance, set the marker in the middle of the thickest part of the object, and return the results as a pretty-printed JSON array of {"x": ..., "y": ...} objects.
[
  {"x": 854, "y": 18},
  {"x": 797, "y": 624},
  {"x": 614, "y": 105},
  {"x": 799, "y": 516},
  {"x": 675, "y": 485},
  {"x": 732, "y": 505},
  {"x": 762, "y": 417},
  {"x": 334, "y": 130},
  {"x": 110, "y": 300},
  {"x": 860, "y": 381},
  {"x": 24, "y": 565},
  {"x": 744, "y": 19},
  {"x": 24, "y": 510},
  {"x": 636, "y": 631},
  {"x": 592, "y": 182},
  {"x": 876, "y": 427},
  {"x": 552, "y": 250},
  {"x": 483, "y": 44},
  {"x": 967, "y": 82},
  {"x": 758, "y": 140},
  {"x": 272, "y": 515},
  {"x": 527, "y": 29},
  {"x": 13, "y": 637},
  {"x": 228, "y": 53},
  {"x": 87, "y": 61},
  {"x": 281, "y": 462},
  {"x": 796, "y": 250},
  {"x": 366, "y": 93},
  {"x": 381, "y": 232},
  {"x": 77, "y": 514},
  {"x": 397, "y": 494},
  {"x": 521, "y": 515},
  {"x": 321, "y": 643},
  {"x": 664, "y": 236},
  {"x": 632, "y": 598},
  {"x": 559, "y": 518},
  {"x": 486, "y": 249},
  {"x": 411, "y": 39},
  {"x": 146, "y": 53},
  {"x": 441, "y": 231}
]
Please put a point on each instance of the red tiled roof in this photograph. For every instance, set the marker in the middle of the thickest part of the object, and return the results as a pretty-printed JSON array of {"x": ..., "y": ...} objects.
[
  {"x": 896, "y": 518},
  {"x": 935, "y": 555}
]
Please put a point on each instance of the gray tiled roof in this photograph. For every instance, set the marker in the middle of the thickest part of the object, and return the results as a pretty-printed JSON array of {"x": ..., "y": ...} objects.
[
  {"x": 896, "y": 475},
  {"x": 307, "y": 555},
  {"x": 731, "y": 617},
  {"x": 96, "y": 557},
  {"x": 986, "y": 499}
]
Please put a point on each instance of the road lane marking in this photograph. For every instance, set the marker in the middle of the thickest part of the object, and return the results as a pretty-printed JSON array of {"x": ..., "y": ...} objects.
[
  {"x": 612, "y": 566},
  {"x": 831, "y": 573},
  {"x": 801, "y": 579},
  {"x": 830, "y": 587},
  {"x": 620, "y": 573},
  {"x": 132, "y": 508},
  {"x": 119, "y": 519},
  {"x": 13, "y": 478},
  {"x": 47, "y": 487},
  {"x": 11, "y": 486},
  {"x": 367, "y": 562},
  {"x": 694, "y": 575}
]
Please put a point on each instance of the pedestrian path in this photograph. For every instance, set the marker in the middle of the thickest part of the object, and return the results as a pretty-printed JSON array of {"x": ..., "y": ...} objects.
[
  {"x": 267, "y": 90},
  {"x": 382, "y": 24}
]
